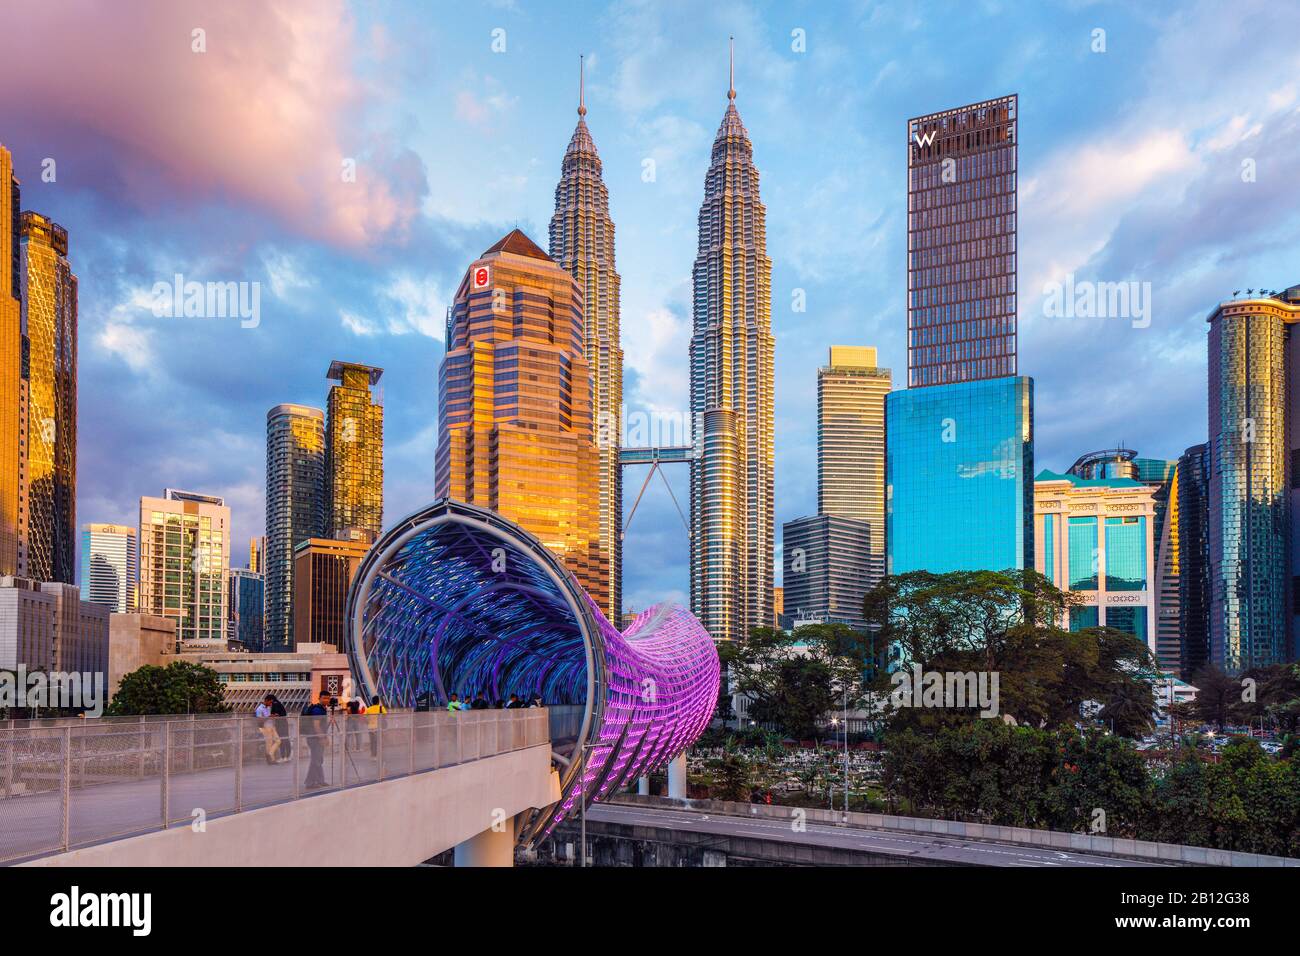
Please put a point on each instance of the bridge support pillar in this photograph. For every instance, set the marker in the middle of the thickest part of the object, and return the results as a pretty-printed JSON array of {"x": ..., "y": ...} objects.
[
  {"x": 489, "y": 848},
  {"x": 643, "y": 786},
  {"x": 677, "y": 777}
]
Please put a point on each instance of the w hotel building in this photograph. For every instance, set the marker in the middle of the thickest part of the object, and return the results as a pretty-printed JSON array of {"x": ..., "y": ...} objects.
[
  {"x": 959, "y": 471},
  {"x": 515, "y": 430}
]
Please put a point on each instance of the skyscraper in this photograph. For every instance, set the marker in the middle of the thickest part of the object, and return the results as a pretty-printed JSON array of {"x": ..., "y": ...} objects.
[
  {"x": 732, "y": 354},
  {"x": 827, "y": 569},
  {"x": 961, "y": 243},
  {"x": 515, "y": 431},
  {"x": 257, "y": 553},
  {"x": 245, "y": 603},
  {"x": 851, "y": 392},
  {"x": 354, "y": 454},
  {"x": 48, "y": 490},
  {"x": 1193, "y": 557},
  {"x": 322, "y": 573},
  {"x": 960, "y": 438},
  {"x": 12, "y": 364},
  {"x": 295, "y": 507},
  {"x": 184, "y": 556},
  {"x": 582, "y": 242},
  {"x": 109, "y": 563},
  {"x": 1253, "y": 365}
]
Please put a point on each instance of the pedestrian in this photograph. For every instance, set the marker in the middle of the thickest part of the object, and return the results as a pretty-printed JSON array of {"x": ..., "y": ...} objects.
[
  {"x": 515, "y": 702},
  {"x": 354, "y": 711},
  {"x": 373, "y": 711},
  {"x": 280, "y": 716},
  {"x": 315, "y": 725},
  {"x": 480, "y": 702},
  {"x": 266, "y": 728},
  {"x": 453, "y": 705}
]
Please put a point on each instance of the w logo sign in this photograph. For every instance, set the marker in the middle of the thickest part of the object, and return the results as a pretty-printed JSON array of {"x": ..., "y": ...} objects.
[{"x": 924, "y": 140}]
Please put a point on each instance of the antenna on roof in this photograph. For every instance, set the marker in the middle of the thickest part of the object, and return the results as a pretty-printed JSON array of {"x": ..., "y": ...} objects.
[
  {"x": 582, "y": 98},
  {"x": 731, "y": 85}
]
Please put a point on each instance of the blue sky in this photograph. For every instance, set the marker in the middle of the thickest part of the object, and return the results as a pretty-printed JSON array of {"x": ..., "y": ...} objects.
[{"x": 225, "y": 166}]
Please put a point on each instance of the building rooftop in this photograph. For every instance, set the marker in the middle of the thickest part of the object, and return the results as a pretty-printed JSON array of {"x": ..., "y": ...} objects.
[
  {"x": 1047, "y": 475},
  {"x": 516, "y": 243},
  {"x": 337, "y": 369}
]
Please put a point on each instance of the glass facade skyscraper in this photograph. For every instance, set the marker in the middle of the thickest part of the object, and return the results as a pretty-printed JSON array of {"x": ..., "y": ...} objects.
[
  {"x": 12, "y": 365},
  {"x": 109, "y": 566},
  {"x": 959, "y": 476},
  {"x": 961, "y": 243},
  {"x": 1253, "y": 403},
  {"x": 515, "y": 432},
  {"x": 354, "y": 454},
  {"x": 48, "y": 492},
  {"x": 826, "y": 569},
  {"x": 295, "y": 507},
  {"x": 1192, "y": 557},
  {"x": 732, "y": 354},
  {"x": 851, "y": 392},
  {"x": 582, "y": 242},
  {"x": 245, "y": 604},
  {"x": 184, "y": 556}
]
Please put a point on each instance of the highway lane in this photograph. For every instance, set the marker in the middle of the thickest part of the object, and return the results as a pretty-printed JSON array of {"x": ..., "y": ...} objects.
[{"x": 921, "y": 846}]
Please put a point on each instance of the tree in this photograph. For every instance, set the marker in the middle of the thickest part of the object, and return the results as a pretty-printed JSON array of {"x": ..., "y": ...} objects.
[
  {"x": 794, "y": 680},
  {"x": 178, "y": 688},
  {"x": 1217, "y": 695},
  {"x": 1008, "y": 623}
]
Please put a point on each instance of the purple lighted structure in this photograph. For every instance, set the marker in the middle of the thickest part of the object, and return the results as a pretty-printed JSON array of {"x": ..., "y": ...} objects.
[{"x": 457, "y": 600}]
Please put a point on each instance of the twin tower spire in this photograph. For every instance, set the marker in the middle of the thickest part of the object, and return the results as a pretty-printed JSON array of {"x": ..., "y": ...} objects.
[{"x": 731, "y": 358}]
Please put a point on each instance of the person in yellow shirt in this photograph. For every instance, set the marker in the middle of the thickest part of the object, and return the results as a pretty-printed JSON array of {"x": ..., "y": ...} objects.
[{"x": 373, "y": 711}]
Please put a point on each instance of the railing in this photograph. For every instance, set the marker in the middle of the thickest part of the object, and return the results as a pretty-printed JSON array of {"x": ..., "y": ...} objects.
[{"x": 89, "y": 781}]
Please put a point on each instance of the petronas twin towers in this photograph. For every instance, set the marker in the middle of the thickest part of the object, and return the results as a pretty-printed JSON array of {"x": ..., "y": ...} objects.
[{"x": 731, "y": 364}]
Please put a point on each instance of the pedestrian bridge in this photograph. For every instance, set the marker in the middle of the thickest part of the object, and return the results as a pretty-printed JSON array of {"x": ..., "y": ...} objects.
[{"x": 393, "y": 790}]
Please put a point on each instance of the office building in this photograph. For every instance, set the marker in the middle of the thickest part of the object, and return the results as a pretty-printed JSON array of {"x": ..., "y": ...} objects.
[
  {"x": 960, "y": 458},
  {"x": 295, "y": 507},
  {"x": 322, "y": 573},
  {"x": 1193, "y": 559},
  {"x": 827, "y": 569},
  {"x": 295, "y": 677},
  {"x": 13, "y": 376},
  {"x": 257, "y": 554},
  {"x": 184, "y": 556},
  {"x": 959, "y": 477},
  {"x": 135, "y": 640},
  {"x": 1096, "y": 540},
  {"x": 48, "y": 489},
  {"x": 354, "y": 454},
  {"x": 731, "y": 364},
  {"x": 582, "y": 243},
  {"x": 45, "y": 626},
  {"x": 851, "y": 392},
  {"x": 109, "y": 566},
  {"x": 961, "y": 243},
  {"x": 245, "y": 602},
  {"x": 515, "y": 432},
  {"x": 1254, "y": 448}
]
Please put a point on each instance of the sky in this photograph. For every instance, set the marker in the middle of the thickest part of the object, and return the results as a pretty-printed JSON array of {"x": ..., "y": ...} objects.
[{"x": 1161, "y": 150}]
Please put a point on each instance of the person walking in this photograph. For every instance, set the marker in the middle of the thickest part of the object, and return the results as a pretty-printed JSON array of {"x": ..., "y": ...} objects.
[
  {"x": 315, "y": 725},
  {"x": 266, "y": 727},
  {"x": 280, "y": 716}
]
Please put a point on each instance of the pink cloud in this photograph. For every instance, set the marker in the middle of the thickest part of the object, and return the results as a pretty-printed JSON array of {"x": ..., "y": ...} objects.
[{"x": 265, "y": 117}]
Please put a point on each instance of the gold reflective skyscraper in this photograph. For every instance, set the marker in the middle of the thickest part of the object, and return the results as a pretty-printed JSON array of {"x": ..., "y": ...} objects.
[
  {"x": 12, "y": 395},
  {"x": 48, "y": 490},
  {"x": 354, "y": 455}
]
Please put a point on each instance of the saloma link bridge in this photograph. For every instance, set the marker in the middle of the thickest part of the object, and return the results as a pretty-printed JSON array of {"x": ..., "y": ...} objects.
[{"x": 454, "y": 599}]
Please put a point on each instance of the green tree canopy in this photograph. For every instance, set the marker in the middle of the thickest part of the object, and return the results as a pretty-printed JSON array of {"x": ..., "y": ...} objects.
[{"x": 179, "y": 688}]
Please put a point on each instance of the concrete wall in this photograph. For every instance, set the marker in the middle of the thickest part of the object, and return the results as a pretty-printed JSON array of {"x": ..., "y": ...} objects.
[
  {"x": 135, "y": 640},
  {"x": 1169, "y": 853},
  {"x": 400, "y": 822}
]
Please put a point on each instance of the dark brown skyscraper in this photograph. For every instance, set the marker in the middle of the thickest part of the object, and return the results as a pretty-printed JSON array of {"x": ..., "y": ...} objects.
[{"x": 961, "y": 244}]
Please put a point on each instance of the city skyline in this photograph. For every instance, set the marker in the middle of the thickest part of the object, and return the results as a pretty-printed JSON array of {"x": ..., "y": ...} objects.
[{"x": 1071, "y": 167}]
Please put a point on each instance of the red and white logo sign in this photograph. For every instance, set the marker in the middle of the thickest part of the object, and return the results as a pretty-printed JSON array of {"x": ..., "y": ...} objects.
[{"x": 482, "y": 277}]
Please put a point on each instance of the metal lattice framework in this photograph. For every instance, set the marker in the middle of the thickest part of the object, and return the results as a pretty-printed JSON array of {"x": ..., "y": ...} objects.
[{"x": 457, "y": 600}]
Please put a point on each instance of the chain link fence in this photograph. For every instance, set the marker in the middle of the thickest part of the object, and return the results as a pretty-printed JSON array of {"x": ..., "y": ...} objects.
[{"x": 70, "y": 783}]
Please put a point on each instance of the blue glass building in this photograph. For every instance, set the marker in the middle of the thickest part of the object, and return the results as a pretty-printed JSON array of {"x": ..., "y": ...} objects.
[{"x": 959, "y": 476}]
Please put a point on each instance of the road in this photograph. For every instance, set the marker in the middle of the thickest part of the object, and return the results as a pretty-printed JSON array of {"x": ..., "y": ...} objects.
[{"x": 920, "y": 846}]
